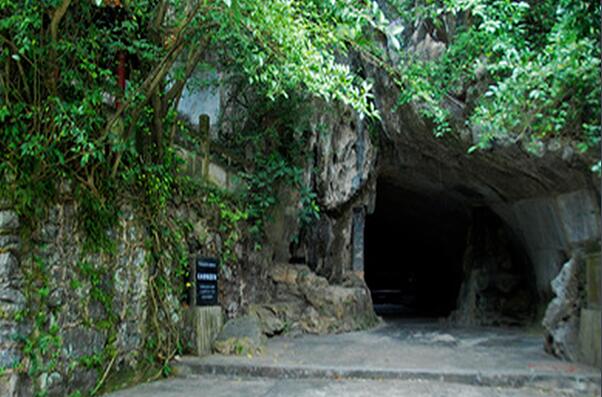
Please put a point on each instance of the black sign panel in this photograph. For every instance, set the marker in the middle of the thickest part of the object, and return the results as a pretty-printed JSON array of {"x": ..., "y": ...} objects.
[{"x": 206, "y": 281}]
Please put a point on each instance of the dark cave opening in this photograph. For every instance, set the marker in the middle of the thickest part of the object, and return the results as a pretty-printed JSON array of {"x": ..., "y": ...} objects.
[
  {"x": 414, "y": 248},
  {"x": 428, "y": 253}
]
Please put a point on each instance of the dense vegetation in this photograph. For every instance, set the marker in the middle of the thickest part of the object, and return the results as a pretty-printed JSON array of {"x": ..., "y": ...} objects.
[
  {"x": 540, "y": 61},
  {"x": 89, "y": 90},
  {"x": 88, "y": 99},
  {"x": 65, "y": 115}
]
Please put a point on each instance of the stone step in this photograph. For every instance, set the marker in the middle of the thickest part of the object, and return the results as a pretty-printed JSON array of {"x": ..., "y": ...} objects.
[{"x": 187, "y": 366}]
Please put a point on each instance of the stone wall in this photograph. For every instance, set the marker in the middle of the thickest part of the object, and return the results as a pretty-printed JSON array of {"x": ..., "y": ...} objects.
[
  {"x": 11, "y": 297},
  {"x": 590, "y": 320},
  {"x": 70, "y": 310},
  {"x": 572, "y": 319},
  {"x": 552, "y": 228},
  {"x": 64, "y": 307}
]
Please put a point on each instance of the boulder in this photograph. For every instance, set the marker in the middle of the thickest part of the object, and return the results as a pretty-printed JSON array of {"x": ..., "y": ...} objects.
[
  {"x": 306, "y": 302},
  {"x": 271, "y": 317},
  {"x": 241, "y": 336}
]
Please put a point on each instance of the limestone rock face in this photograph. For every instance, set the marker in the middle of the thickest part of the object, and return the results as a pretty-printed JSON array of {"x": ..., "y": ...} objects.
[
  {"x": 274, "y": 318},
  {"x": 495, "y": 290},
  {"x": 306, "y": 303},
  {"x": 342, "y": 174},
  {"x": 345, "y": 156},
  {"x": 242, "y": 335},
  {"x": 562, "y": 316}
]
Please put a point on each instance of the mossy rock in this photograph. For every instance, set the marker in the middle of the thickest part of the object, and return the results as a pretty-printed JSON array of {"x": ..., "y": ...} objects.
[
  {"x": 240, "y": 336},
  {"x": 237, "y": 346}
]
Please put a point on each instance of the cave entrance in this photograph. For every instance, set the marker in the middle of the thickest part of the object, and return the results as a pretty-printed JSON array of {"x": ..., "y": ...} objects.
[
  {"x": 431, "y": 255},
  {"x": 414, "y": 245}
]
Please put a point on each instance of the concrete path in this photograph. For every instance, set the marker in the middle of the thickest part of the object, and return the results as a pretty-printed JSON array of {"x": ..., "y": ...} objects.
[
  {"x": 218, "y": 386},
  {"x": 399, "y": 358},
  {"x": 403, "y": 350}
]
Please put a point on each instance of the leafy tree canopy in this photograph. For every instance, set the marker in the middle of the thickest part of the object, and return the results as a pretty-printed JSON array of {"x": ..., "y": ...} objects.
[
  {"x": 540, "y": 61},
  {"x": 65, "y": 115}
]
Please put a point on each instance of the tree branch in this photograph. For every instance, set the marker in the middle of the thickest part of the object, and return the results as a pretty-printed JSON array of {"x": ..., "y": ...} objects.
[
  {"x": 57, "y": 16},
  {"x": 194, "y": 57}
]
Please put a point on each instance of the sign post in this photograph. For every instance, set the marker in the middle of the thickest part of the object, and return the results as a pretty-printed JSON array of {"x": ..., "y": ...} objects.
[
  {"x": 207, "y": 318},
  {"x": 206, "y": 281}
]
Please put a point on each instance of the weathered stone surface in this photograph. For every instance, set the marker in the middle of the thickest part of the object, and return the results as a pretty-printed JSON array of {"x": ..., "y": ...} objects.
[
  {"x": 11, "y": 302},
  {"x": 79, "y": 342},
  {"x": 561, "y": 320},
  {"x": 218, "y": 175},
  {"x": 496, "y": 288},
  {"x": 9, "y": 384},
  {"x": 539, "y": 224},
  {"x": 242, "y": 335},
  {"x": 305, "y": 302},
  {"x": 594, "y": 298},
  {"x": 9, "y": 295},
  {"x": 9, "y": 357},
  {"x": 284, "y": 224},
  {"x": 200, "y": 231},
  {"x": 9, "y": 220},
  {"x": 425, "y": 46},
  {"x": 207, "y": 322},
  {"x": 76, "y": 281},
  {"x": 345, "y": 155},
  {"x": 8, "y": 266},
  {"x": 329, "y": 250},
  {"x": 580, "y": 217},
  {"x": 590, "y": 332},
  {"x": 9, "y": 243},
  {"x": 272, "y": 317}
]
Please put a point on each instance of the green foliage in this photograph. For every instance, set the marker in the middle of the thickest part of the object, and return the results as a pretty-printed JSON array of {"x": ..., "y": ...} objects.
[
  {"x": 66, "y": 120},
  {"x": 262, "y": 187},
  {"x": 283, "y": 46},
  {"x": 69, "y": 129},
  {"x": 42, "y": 346},
  {"x": 230, "y": 216},
  {"x": 540, "y": 62},
  {"x": 65, "y": 117},
  {"x": 277, "y": 136}
]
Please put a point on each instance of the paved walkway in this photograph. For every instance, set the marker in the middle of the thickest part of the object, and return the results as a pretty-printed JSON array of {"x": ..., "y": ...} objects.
[
  {"x": 395, "y": 359},
  {"x": 211, "y": 386}
]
